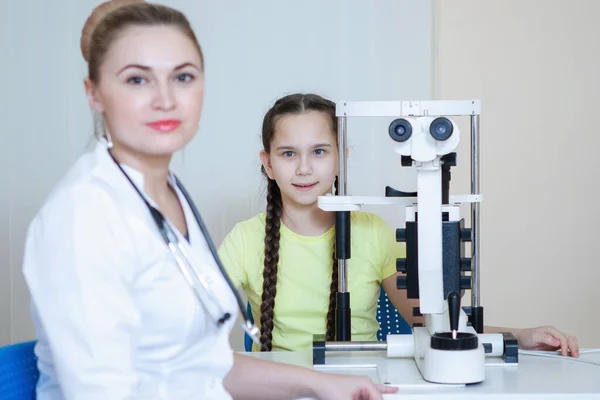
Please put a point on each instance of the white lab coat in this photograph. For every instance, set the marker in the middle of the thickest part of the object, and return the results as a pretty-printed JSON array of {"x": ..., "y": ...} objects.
[{"x": 114, "y": 315}]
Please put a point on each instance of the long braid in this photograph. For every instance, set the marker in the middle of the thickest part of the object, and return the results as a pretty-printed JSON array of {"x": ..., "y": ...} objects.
[
  {"x": 330, "y": 331},
  {"x": 273, "y": 223},
  {"x": 292, "y": 104}
]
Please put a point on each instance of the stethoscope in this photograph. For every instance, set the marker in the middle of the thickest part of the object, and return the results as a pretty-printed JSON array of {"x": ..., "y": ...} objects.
[{"x": 200, "y": 284}]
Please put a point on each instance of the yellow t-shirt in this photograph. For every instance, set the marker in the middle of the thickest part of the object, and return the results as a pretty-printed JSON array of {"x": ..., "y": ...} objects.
[{"x": 304, "y": 276}]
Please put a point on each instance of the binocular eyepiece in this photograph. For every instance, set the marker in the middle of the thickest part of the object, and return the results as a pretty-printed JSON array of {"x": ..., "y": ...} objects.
[{"x": 401, "y": 129}]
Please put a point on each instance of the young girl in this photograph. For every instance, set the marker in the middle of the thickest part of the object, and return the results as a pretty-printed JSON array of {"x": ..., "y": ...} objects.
[{"x": 284, "y": 260}]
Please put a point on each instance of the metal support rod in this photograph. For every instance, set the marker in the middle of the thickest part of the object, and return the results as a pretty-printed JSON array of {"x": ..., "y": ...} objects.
[
  {"x": 475, "y": 189},
  {"x": 342, "y": 146},
  {"x": 342, "y": 182},
  {"x": 356, "y": 346},
  {"x": 342, "y": 276},
  {"x": 343, "y": 313}
]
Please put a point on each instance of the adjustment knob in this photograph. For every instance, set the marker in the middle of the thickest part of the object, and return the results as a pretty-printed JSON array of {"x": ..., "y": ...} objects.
[
  {"x": 400, "y": 235},
  {"x": 465, "y": 264},
  {"x": 465, "y": 282},
  {"x": 466, "y": 234},
  {"x": 401, "y": 265},
  {"x": 401, "y": 282}
]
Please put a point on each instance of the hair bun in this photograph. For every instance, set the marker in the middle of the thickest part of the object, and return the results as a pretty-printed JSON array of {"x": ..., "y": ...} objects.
[{"x": 94, "y": 19}]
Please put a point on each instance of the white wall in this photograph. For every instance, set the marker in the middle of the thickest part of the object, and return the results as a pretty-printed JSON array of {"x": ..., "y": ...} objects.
[
  {"x": 255, "y": 52},
  {"x": 534, "y": 64}
]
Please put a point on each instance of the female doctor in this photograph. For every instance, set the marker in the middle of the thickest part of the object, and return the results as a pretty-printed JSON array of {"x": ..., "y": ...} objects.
[{"x": 128, "y": 299}]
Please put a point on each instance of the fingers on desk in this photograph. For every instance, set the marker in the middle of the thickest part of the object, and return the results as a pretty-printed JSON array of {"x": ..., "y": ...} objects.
[{"x": 568, "y": 344}]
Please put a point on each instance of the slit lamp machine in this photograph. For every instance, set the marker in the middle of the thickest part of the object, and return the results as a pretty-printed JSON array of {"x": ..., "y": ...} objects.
[{"x": 451, "y": 348}]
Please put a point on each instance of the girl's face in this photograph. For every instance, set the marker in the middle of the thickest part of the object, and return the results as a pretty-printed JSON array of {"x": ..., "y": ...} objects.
[{"x": 303, "y": 159}]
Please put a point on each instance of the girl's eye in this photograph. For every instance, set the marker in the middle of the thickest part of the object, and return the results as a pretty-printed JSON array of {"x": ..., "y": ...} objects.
[
  {"x": 319, "y": 152},
  {"x": 288, "y": 154},
  {"x": 185, "y": 77},
  {"x": 136, "y": 80}
]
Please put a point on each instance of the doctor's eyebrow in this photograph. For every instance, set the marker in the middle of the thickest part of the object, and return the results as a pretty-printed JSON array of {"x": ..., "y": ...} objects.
[{"x": 148, "y": 68}]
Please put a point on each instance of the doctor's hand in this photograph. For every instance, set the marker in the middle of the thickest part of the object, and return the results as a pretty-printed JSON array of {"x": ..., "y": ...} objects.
[
  {"x": 547, "y": 338},
  {"x": 343, "y": 387}
]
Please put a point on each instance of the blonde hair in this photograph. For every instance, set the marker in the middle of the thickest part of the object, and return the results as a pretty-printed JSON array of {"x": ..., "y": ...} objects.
[{"x": 112, "y": 17}]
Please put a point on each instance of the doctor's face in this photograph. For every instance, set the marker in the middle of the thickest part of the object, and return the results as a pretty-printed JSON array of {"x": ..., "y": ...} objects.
[{"x": 150, "y": 90}]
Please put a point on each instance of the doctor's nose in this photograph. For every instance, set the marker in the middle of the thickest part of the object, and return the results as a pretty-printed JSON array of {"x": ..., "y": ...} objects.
[{"x": 164, "y": 97}]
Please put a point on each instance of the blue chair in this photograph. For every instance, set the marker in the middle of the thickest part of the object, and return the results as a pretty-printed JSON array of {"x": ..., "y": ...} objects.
[
  {"x": 18, "y": 371},
  {"x": 390, "y": 320},
  {"x": 247, "y": 340}
]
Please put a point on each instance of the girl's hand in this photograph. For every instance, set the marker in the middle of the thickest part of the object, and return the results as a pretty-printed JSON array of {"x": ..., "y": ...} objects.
[{"x": 547, "y": 338}]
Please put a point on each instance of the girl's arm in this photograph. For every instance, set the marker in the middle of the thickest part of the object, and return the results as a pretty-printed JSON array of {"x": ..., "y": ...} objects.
[
  {"x": 403, "y": 304},
  {"x": 541, "y": 338}
]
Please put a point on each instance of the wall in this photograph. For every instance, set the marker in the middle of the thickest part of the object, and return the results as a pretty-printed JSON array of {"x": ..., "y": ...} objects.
[{"x": 534, "y": 65}]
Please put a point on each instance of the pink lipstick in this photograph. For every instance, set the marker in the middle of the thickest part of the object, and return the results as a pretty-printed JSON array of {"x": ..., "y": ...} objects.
[{"x": 165, "y": 125}]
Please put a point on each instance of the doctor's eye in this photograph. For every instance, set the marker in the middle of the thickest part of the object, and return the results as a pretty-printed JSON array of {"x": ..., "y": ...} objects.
[
  {"x": 185, "y": 77},
  {"x": 136, "y": 80}
]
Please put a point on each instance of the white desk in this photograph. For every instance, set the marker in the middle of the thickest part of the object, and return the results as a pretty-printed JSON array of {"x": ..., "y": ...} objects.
[{"x": 534, "y": 377}]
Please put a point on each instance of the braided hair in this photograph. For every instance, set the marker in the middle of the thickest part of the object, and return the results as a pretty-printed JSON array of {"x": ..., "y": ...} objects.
[{"x": 291, "y": 104}]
